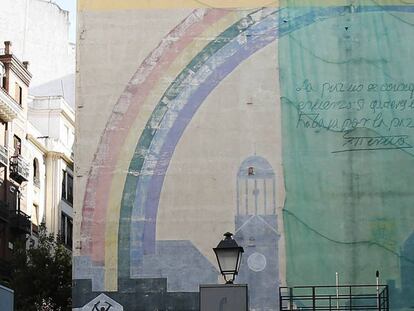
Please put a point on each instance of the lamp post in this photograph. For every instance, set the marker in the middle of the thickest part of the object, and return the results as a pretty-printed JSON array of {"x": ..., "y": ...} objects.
[{"x": 229, "y": 255}]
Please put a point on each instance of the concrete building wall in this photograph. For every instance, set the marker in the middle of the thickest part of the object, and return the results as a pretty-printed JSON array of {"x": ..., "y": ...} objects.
[
  {"x": 255, "y": 118},
  {"x": 38, "y": 30},
  {"x": 32, "y": 175},
  {"x": 36, "y": 188},
  {"x": 51, "y": 116}
]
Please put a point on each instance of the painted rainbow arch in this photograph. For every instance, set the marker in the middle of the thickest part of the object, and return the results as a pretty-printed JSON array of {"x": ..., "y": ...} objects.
[{"x": 134, "y": 220}]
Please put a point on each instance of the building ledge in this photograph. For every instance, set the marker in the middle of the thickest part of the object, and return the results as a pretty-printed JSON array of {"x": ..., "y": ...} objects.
[
  {"x": 19, "y": 68},
  {"x": 52, "y": 147},
  {"x": 9, "y": 108}
]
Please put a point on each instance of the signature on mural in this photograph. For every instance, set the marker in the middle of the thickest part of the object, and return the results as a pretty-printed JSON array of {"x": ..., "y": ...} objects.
[{"x": 361, "y": 143}]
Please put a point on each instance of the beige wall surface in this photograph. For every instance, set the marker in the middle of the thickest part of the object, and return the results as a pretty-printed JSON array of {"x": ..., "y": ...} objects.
[{"x": 199, "y": 196}]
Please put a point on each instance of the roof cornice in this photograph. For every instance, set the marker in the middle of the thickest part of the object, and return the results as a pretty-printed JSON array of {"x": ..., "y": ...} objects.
[
  {"x": 17, "y": 67},
  {"x": 47, "y": 152}
]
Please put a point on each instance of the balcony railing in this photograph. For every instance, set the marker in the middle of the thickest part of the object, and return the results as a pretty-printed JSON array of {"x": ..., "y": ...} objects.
[
  {"x": 19, "y": 169},
  {"x": 20, "y": 222},
  {"x": 334, "y": 298},
  {"x": 4, "y": 155}
]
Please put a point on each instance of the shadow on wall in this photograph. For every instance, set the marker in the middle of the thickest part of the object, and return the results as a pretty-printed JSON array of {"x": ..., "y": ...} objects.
[{"x": 181, "y": 263}]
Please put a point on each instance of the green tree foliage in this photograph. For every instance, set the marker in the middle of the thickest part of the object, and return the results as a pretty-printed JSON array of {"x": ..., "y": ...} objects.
[{"x": 42, "y": 275}]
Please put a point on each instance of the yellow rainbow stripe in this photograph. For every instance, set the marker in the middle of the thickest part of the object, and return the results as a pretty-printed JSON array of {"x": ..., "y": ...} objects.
[
  {"x": 105, "y": 5},
  {"x": 170, "y": 4}
]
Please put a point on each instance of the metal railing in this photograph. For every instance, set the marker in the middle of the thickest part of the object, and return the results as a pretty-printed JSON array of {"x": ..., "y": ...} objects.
[
  {"x": 19, "y": 168},
  {"x": 340, "y": 298},
  {"x": 20, "y": 221}
]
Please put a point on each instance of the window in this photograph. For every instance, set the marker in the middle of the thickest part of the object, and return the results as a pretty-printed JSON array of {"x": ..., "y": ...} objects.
[
  {"x": 3, "y": 187},
  {"x": 36, "y": 179},
  {"x": 35, "y": 220},
  {"x": 250, "y": 171},
  {"x": 17, "y": 144},
  {"x": 66, "y": 230},
  {"x": 4, "y": 153},
  {"x": 13, "y": 198},
  {"x": 18, "y": 93},
  {"x": 3, "y": 133},
  {"x": 35, "y": 214},
  {"x": 67, "y": 187},
  {"x": 2, "y": 75}
]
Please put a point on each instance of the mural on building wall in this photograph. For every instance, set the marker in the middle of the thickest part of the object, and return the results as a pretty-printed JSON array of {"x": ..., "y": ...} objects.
[{"x": 346, "y": 98}]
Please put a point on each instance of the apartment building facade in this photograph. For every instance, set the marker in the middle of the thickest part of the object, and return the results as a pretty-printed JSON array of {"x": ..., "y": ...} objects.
[{"x": 36, "y": 162}]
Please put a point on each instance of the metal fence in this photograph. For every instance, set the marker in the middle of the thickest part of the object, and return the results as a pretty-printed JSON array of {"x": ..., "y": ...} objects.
[{"x": 341, "y": 298}]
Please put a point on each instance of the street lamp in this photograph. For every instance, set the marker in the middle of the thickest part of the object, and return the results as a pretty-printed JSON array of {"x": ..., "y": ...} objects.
[{"x": 229, "y": 255}]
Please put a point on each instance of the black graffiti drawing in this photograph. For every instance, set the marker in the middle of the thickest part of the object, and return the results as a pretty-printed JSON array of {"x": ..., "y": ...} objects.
[{"x": 102, "y": 308}]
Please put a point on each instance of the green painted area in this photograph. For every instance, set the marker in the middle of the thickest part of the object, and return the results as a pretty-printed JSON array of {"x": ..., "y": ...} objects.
[{"x": 347, "y": 88}]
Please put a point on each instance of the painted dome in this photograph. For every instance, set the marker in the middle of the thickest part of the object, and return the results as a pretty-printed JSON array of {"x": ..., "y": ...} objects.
[{"x": 255, "y": 167}]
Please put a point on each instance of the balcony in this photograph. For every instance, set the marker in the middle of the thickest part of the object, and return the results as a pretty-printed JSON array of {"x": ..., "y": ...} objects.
[
  {"x": 19, "y": 169},
  {"x": 4, "y": 155},
  {"x": 9, "y": 108},
  {"x": 20, "y": 222}
]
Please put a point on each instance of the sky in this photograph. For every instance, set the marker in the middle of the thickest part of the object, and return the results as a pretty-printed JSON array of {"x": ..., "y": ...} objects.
[{"x": 69, "y": 5}]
